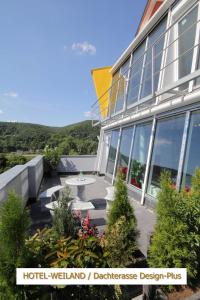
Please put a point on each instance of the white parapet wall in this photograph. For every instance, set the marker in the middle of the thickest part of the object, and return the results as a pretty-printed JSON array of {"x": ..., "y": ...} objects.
[
  {"x": 23, "y": 179},
  {"x": 77, "y": 163},
  {"x": 35, "y": 175},
  {"x": 15, "y": 179}
]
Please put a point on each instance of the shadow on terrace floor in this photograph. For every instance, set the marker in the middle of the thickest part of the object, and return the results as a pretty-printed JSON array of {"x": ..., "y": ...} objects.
[
  {"x": 95, "y": 193},
  {"x": 40, "y": 216}
]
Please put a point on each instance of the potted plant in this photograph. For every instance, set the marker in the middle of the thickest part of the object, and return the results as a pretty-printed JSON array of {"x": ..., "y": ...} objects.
[{"x": 136, "y": 173}]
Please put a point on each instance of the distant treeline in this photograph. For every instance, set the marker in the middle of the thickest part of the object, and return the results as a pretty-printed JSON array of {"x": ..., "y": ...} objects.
[{"x": 79, "y": 138}]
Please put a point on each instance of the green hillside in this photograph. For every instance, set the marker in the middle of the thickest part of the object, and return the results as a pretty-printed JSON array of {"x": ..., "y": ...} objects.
[{"x": 79, "y": 138}]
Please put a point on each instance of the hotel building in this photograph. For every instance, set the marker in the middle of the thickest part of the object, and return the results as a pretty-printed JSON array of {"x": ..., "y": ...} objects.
[{"x": 149, "y": 102}]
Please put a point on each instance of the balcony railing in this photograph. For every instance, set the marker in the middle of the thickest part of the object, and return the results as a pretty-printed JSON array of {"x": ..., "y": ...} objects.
[{"x": 177, "y": 75}]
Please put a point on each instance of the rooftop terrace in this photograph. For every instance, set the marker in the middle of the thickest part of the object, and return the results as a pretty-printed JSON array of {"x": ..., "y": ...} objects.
[{"x": 95, "y": 193}]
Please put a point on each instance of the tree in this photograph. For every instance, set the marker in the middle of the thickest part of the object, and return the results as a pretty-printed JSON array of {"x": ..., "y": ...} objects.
[
  {"x": 14, "y": 224},
  {"x": 51, "y": 158},
  {"x": 121, "y": 235},
  {"x": 64, "y": 223},
  {"x": 176, "y": 239},
  {"x": 121, "y": 243},
  {"x": 121, "y": 205}
]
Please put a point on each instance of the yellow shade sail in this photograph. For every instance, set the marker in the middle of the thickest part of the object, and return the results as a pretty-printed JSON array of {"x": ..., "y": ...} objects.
[{"x": 102, "y": 81}]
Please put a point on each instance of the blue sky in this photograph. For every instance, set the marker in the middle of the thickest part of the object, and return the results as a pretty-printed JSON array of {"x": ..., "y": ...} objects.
[{"x": 48, "y": 48}]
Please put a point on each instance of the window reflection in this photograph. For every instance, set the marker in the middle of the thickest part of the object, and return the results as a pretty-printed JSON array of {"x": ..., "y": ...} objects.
[
  {"x": 124, "y": 150},
  {"x": 112, "y": 152},
  {"x": 166, "y": 151},
  {"x": 192, "y": 158},
  {"x": 123, "y": 77},
  {"x": 139, "y": 155},
  {"x": 186, "y": 41},
  {"x": 157, "y": 57},
  {"x": 135, "y": 74},
  {"x": 113, "y": 93}
]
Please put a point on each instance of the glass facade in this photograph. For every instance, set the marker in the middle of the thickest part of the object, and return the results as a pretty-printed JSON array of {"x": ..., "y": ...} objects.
[
  {"x": 153, "y": 60},
  {"x": 186, "y": 41},
  {"x": 166, "y": 151},
  {"x": 135, "y": 74},
  {"x": 112, "y": 152},
  {"x": 121, "y": 93},
  {"x": 139, "y": 154},
  {"x": 162, "y": 58},
  {"x": 124, "y": 150},
  {"x": 113, "y": 93},
  {"x": 192, "y": 157},
  {"x": 140, "y": 83}
]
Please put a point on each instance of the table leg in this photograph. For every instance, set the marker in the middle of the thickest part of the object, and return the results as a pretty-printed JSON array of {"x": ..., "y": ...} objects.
[{"x": 81, "y": 193}]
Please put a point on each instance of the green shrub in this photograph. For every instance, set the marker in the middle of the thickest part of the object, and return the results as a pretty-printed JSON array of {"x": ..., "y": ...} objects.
[
  {"x": 39, "y": 246},
  {"x": 64, "y": 223},
  {"x": 15, "y": 159},
  {"x": 121, "y": 243},
  {"x": 176, "y": 240},
  {"x": 51, "y": 158},
  {"x": 121, "y": 235},
  {"x": 14, "y": 224},
  {"x": 121, "y": 205},
  {"x": 11, "y": 160}
]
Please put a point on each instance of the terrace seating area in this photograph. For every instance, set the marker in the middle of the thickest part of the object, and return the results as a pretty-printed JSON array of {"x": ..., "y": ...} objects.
[
  {"x": 97, "y": 194},
  {"x": 30, "y": 183}
]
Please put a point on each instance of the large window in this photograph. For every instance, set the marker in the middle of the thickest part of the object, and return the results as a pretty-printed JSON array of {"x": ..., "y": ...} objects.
[
  {"x": 192, "y": 158},
  {"x": 186, "y": 41},
  {"x": 140, "y": 83},
  {"x": 166, "y": 151},
  {"x": 154, "y": 53},
  {"x": 135, "y": 74},
  {"x": 124, "y": 150},
  {"x": 112, "y": 152},
  {"x": 113, "y": 93},
  {"x": 139, "y": 154},
  {"x": 121, "y": 92}
]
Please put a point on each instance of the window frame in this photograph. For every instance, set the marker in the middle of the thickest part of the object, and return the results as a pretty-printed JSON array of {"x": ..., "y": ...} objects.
[
  {"x": 178, "y": 14},
  {"x": 117, "y": 148},
  {"x": 119, "y": 71},
  {"x": 144, "y": 122},
  {"x": 117, "y": 157},
  {"x": 145, "y": 40}
]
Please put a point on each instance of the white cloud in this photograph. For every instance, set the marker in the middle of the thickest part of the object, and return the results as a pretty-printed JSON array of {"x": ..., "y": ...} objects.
[
  {"x": 12, "y": 121},
  {"x": 83, "y": 48},
  {"x": 11, "y": 94},
  {"x": 1, "y": 112},
  {"x": 88, "y": 114}
]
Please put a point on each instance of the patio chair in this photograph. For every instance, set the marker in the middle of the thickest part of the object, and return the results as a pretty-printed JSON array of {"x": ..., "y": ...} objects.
[
  {"x": 50, "y": 192},
  {"x": 48, "y": 195},
  {"x": 109, "y": 198}
]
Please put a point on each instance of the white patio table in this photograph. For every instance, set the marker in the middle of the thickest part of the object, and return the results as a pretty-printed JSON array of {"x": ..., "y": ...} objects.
[{"x": 80, "y": 182}]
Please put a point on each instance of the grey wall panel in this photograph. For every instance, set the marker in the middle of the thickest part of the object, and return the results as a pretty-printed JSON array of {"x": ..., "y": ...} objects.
[{"x": 77, "y": 163}]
